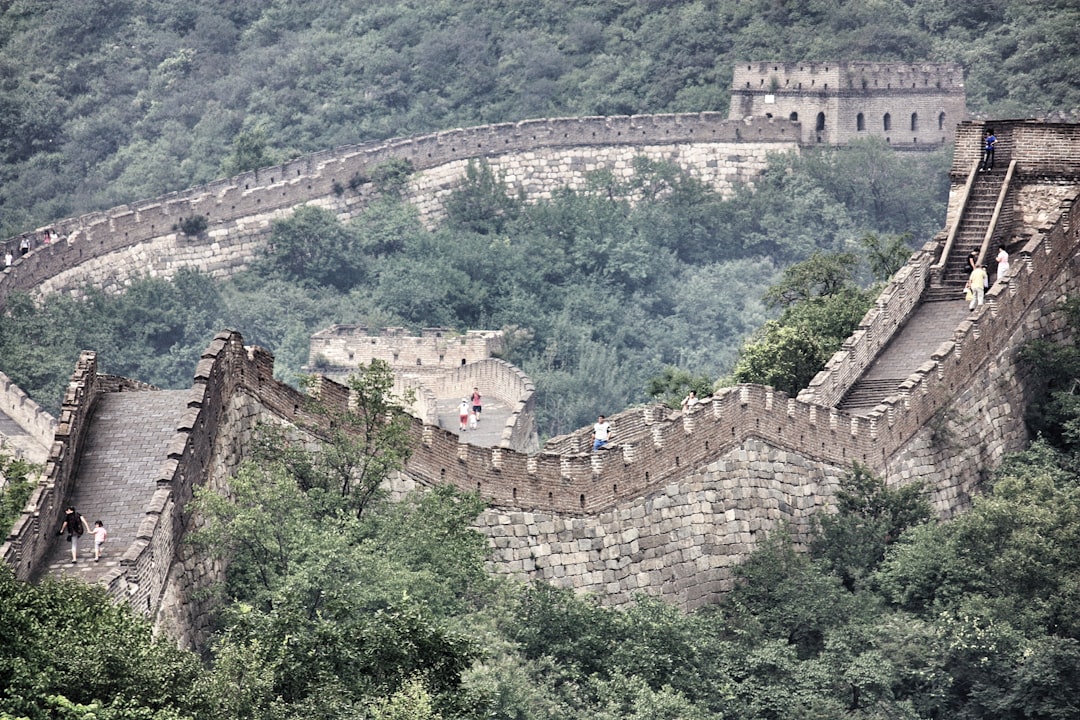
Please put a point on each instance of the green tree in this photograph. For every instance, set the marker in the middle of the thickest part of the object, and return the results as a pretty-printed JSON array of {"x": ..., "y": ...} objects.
[
  {"x": 483, "y": 203},
  {"x": 364, "y": 442},
  {"x": 314, "y": 246},
  {"x": 822, "y": 305},
  {"x": 673, "y": 384},
  {"x": 51, "y": 630},
  {"x": 869, "y": 517},
  {"x": 19, "y": 478},
  {"x": 249, "y": 152}
]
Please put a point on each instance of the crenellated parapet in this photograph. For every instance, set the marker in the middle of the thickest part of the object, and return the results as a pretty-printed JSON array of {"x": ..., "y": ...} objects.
[
  {"x": 33, "y": 533},
  {"x": 536, "y": 157}
]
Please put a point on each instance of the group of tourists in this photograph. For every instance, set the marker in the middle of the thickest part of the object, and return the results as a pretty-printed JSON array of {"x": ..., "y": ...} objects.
[
  {"x": 469, "y": 411},
  {"x": 75, "y": 526},
  {"x": 979, "y": 280}
]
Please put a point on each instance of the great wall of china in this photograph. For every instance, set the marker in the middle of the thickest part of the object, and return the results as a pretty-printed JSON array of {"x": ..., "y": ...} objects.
[{"x": 683, "y": 497}]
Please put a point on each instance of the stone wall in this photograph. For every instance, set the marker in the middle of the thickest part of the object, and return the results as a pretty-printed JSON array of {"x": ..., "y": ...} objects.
[
  {"x": 668, "y": 511},
  {"x": 32, "y": 535},
  {"x": 501, "y": 381},
  {"x": 680, "y": 540},
  {"x": 910, "y": 105},
  {"x": 109, "y": 249},
  {"x": 338, "y": 350},
  {"x": 39, "y": 426}
]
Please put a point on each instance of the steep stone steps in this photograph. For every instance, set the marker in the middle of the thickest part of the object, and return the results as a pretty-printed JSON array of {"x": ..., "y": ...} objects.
[
  {"x": 931, "y": 324},
  {"x": 123, "y": 453}
]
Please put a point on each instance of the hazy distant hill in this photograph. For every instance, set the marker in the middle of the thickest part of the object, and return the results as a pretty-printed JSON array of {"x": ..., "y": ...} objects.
[{"x": 106, "y": 101}]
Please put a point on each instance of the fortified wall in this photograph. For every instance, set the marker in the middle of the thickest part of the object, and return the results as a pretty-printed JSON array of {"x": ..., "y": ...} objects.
[
  {"x": 109, "y": 249},
  {"x": 670, "y": 510},
  {"x": 911, "y": 105},
  {"x": 337, "y": 350},
  {"x": 439, "y": 363}
]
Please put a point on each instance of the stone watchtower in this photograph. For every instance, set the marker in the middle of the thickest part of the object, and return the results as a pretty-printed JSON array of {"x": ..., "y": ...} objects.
[{"x": 912, "y": 106}]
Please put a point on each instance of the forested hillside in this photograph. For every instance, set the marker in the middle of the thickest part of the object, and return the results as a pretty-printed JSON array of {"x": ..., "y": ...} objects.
[
  {"x": 599, "y": 296},
  {"x": 107, "y": 101}
]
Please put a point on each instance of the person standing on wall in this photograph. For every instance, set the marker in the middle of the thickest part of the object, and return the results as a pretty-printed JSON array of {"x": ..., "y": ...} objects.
[
  {"x": 463, "y": 415},
  {"x": 476, "y": 403},
  {"x": 74, "y": 525},
  {"x": 1002, "y": 263},
  {"x": 978, "y": 282},
  {"x": 601, "y": 433},
  {"x": 989, "y": 141}
]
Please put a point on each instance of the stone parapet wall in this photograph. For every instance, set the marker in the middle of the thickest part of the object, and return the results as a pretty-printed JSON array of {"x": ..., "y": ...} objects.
[
  {"x": 340, "y": 349},
  {"x": 110, "y": 249},
  {"x": 891, "y": 310},
  {"x": 504, "y": 382},
  {"x": 628, "y": 426},
  {"x": 540, "y": 174},
  {"x": 680, "y": 542},
  {"x": 33, "y": 533},
  {"x": 38, "y": 424},
  {"x": 1041, "y": 150}
]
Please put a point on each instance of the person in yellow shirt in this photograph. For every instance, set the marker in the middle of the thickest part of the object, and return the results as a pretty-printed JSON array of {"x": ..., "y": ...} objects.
[{"x": 978, "y": 285}]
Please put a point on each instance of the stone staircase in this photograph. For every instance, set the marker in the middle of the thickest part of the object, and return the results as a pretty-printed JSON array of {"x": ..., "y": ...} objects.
[
  {"x": 942, "y": 306},
  {"x": 122, "y": 456}
]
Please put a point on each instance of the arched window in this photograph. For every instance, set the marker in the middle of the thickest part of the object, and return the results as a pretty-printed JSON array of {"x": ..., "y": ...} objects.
[
  {"x": 914, "y": 122},
  {"x": 820, "y": 122},
  {"x": 941, "y": 121},
  {"x": 794, "y": 117},
  {"x": 860, "y": 122},
  {"x": 887, "y": 122}
]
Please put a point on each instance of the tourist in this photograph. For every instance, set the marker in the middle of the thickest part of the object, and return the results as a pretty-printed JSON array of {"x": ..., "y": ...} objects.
[
  {"x": 74, "y": 525},
  {"x": 463, "y": 415},
  {"x": 476, "y": 403},
  {"x": 989, "y": 141},
  {"x": 689, "y": 401},
  {"x": 100, "y": 533},
  {"x": 978, "y": 286},
  {"x": 1002, "y": 263},
  {"x": 601, "y": 433}
]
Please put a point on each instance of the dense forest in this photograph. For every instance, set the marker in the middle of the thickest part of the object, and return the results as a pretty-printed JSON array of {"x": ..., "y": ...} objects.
[{"x": 607, "y": 302}]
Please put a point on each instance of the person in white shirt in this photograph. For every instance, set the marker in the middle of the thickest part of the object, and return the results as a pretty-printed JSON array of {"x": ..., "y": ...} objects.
[
  {"x": 1002, "y": 263},
  {"x": 601, "y": 433}
]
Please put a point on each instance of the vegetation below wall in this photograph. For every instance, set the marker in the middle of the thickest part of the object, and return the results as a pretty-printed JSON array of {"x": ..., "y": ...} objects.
[
  {"x": 599, "y": 295},
  {"x": 389, "y": 614},
  {"x": 105, "y": 102}
]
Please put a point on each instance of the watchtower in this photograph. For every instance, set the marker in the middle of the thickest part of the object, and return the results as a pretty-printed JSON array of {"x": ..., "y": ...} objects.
[{"x": 912, "y": 105}]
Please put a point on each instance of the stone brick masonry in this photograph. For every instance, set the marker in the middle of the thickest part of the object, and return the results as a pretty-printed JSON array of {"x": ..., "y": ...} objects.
[
  {"x": 107, "y": 250},
  {"x": 670, "y": 511}
]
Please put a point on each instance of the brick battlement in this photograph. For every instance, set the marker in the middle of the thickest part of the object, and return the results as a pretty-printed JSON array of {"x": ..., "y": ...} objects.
[{"x": 107, "y": 249}]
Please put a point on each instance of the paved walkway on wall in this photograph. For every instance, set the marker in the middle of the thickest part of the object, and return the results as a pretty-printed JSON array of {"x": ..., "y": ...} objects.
[
  {"x": 488, "y": 431},
  {"x": 123, "y": 453},
  {"x": 22, "y": 443},
  {"x": 931, "y": 324}
]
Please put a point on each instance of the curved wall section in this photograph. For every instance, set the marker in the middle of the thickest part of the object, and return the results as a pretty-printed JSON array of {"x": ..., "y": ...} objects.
[{"x": 108, "y": 249}]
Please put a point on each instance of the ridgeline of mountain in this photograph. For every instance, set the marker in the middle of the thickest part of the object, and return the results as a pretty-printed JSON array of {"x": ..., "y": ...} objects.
[{"x": 107, "y": 101}]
